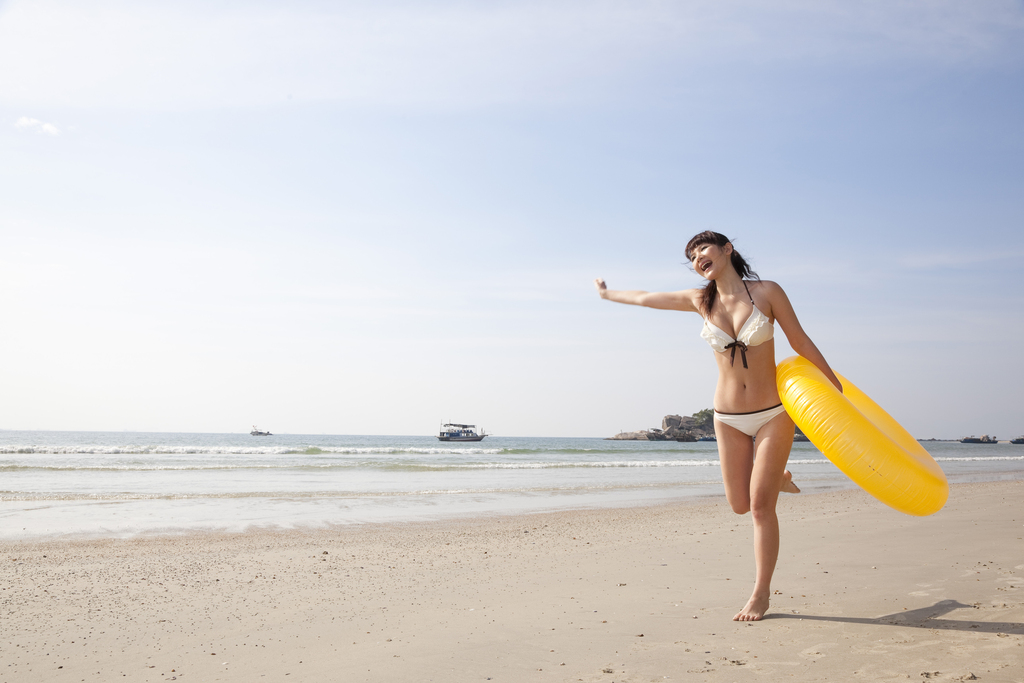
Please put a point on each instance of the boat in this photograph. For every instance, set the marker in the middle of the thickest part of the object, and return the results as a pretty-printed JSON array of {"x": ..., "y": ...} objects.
[
  {"x": 982, "y": 439},
  {"x": 707, "y": 438},
  {"x": 256, "y": 432},
  {"x": 452, "y": 431},
  {"x": 1019, "y": 440}
]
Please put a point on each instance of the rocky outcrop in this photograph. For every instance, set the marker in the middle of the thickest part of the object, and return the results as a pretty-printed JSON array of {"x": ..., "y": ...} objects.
[
  {"x": 673, "y": 428},
  {"x": 649, "y": 435},
  {"x": 680, "y": 428}
]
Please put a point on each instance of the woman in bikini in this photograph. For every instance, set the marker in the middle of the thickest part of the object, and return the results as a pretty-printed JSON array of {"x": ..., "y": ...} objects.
[{"x": 738, "y": 316}]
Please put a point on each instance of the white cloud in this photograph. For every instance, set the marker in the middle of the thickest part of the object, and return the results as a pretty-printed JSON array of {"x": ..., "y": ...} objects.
[
  {"x": 453, "y": 53},
  {"x": 37, "y": 125}
]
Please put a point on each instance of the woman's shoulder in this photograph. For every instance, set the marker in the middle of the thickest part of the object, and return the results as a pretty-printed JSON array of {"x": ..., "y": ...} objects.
[
  {"x": 769, "y": 294},
  {"x": 766, "y": 287}
]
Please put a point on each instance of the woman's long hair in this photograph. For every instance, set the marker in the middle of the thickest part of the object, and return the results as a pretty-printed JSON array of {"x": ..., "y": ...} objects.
[{"x": 707, "y": 299}]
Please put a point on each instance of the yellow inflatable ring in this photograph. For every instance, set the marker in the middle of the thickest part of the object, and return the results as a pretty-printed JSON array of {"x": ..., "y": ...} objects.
[{"x": 861, "y": 439}]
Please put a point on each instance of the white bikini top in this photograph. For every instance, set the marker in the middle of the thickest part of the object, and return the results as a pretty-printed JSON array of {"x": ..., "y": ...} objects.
[{"x": 755, "y": 331}]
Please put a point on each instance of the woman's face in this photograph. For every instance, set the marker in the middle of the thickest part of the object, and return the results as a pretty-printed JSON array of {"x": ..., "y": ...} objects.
[{"x": 711, "y": 260}]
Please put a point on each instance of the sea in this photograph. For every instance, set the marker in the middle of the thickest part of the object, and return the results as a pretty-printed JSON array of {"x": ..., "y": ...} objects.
[{"x": 122, "y": 484}]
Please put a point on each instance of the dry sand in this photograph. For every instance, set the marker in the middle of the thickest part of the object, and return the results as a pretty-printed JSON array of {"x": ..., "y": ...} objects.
[{"x": 642, "y": 594}]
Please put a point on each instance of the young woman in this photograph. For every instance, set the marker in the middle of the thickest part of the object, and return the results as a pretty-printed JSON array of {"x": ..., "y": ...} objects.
[{"x": 739, "y": 311}]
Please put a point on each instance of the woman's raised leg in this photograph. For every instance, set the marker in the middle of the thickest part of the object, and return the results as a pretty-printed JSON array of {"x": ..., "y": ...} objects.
[{"x": 736, "y": 457}]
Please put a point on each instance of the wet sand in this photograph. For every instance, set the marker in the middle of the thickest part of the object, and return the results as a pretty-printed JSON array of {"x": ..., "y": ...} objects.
[{"x": 630, "y": 595}]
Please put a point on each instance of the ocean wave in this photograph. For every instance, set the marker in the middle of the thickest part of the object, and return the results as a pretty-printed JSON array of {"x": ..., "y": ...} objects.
[
  {"x": 383, "y": 465},
  {"x": 286, "y": 496},
  {"x": 164, "y": 449},
  {"x": 376, "y": 465},
  {"x": 995, "y": 458},
  {"x": 141, "y": 467},
  {"x": 596, "y": 464},
  {"x": 241, "y": 450},
  {"x": 402, "y": 465},
  {"x": 426, "y": 466},
  {"x": 392, "y": 450}
]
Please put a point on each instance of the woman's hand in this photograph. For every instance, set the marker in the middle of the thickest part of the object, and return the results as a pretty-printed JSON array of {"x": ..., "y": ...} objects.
[{"x": 673, "y": 301}]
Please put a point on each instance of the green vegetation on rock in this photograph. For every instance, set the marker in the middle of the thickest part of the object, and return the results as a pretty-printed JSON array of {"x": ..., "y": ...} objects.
[{"x": 704, "y": 419}]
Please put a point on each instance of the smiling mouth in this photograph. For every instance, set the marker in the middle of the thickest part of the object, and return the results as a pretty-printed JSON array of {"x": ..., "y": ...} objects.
[{"x": 704, "y": 266}]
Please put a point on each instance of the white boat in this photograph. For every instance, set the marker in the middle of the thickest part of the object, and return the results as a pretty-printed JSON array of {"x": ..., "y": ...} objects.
[
  {"x": 256, "y": 432},
  {"x": 452, "y": 431}
]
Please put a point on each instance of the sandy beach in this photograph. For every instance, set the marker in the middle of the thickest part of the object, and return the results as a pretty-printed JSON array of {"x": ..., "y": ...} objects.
[{"x": 624, "y": 595}]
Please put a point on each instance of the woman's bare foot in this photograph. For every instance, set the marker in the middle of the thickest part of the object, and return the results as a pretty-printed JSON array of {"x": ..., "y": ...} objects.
[
  {"x": 754, "y": 610},
  {"x": 787, "y": 483}
]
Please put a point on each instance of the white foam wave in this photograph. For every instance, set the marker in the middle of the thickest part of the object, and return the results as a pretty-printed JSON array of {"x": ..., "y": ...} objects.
[
  {"x": 996, "y": 458},
  {"x": 293, "y": 496},
  {"x": 143, "y": 467},
  {"x": 138, "y": 467},
  {"x": 392, "y": 451},
  {"x": 139, "y": 450},
  {"x": 398, "y": 465},
  {"x": 570, "y": 464},
  {"x": 597, "y": 464},
  {"x": 238, "y": 450}
]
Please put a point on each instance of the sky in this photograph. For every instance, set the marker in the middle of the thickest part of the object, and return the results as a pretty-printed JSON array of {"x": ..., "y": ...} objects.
[{"x": 374, "y": 217}]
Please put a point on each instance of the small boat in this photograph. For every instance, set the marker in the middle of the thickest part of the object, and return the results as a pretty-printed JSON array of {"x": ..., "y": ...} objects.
[
  {"x": 452, "y": 431},
  {"x": 1019, "y": 440},
  {"x": 982, "y": 439},
  {"x": 256, "y": 432},
  {"x": 707, "y": 438}
]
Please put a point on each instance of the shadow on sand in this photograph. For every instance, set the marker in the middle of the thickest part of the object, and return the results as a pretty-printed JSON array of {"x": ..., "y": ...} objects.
[{"x": 926, "y": 617}]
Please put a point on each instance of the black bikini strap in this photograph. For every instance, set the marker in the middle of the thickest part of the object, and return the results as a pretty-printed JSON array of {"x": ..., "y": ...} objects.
[{"x": 748, "y": 293}]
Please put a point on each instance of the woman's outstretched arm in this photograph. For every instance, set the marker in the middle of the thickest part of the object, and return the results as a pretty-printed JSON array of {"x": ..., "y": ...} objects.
[
  {"x": 783, "y": 312},
  {"x": 684, "y": 300}
]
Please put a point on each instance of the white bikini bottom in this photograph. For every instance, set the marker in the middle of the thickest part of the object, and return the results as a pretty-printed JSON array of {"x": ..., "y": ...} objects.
[{"x": 750, "y": 423}]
